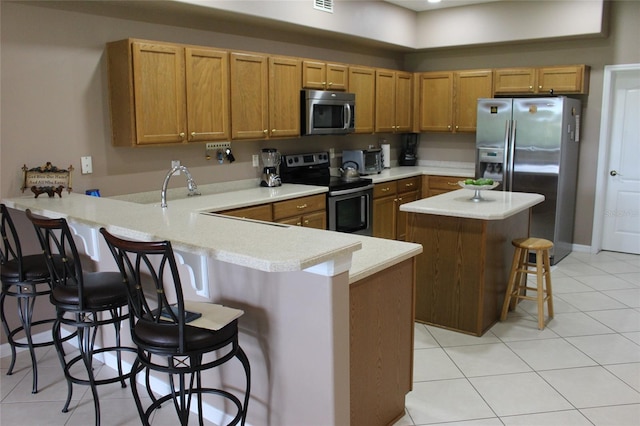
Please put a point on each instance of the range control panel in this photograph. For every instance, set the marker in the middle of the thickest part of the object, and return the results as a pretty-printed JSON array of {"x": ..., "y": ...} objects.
[{"x": 304, "y": 160}]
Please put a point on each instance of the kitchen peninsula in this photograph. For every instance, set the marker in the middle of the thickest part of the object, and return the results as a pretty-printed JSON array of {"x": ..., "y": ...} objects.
[
  {"x": 309, "y": 297},
  {"x": 462, "y": 273}
]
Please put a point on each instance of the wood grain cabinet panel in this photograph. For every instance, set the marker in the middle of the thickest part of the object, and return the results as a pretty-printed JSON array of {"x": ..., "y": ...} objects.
[
  {"x": 324, "y": 76},
  {"x": 284, "y": 97},
  {"x": 362, "y": 82},
  {"x": 393, "y": 104},
  {"x": 261, "y": 212},
  {"x": 249, "y": 96}
]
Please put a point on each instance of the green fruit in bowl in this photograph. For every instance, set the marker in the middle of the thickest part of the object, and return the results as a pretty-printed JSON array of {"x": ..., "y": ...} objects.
[{"x": 469, "y": 182}]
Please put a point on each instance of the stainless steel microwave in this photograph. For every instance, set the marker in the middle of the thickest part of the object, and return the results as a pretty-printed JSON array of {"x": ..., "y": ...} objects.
[{"x": 327, "y": 112}]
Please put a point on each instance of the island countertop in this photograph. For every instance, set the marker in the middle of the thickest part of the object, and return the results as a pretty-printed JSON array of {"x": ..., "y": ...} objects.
[{"x": 497, "y": 205}]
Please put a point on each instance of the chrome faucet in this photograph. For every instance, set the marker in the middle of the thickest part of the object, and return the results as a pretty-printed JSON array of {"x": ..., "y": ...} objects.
[{"x": 191, "y": 184}]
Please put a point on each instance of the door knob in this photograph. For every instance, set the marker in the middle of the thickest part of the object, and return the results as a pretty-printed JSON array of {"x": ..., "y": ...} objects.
[{"x": 613, "y": 173}]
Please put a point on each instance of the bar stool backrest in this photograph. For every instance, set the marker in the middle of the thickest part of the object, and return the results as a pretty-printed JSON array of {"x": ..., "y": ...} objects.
[
  {"x": 57, "y": 242},
  {"x": 150, "y": 264},
  {"x": 10, "y": 251}
]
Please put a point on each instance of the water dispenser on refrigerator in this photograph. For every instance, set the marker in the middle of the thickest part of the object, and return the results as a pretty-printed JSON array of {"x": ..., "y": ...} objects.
[{"x": 489, "y": 163}]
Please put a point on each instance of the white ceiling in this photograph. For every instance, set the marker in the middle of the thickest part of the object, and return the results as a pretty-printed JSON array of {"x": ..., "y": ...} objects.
[{"x": 422, "y": 5}]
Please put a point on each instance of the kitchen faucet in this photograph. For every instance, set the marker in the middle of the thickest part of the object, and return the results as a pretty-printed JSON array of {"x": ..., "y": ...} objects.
[{"x": 191, "y": 184}]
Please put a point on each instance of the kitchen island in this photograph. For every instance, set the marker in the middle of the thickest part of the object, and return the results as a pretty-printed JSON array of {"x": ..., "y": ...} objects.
[
  {"x": 462, "y": 274},
  {"x": 309, "y": 297}
]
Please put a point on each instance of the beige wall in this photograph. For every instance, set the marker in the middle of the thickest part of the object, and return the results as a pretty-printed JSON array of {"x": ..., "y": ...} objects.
[{"x": 54, "y": 95}]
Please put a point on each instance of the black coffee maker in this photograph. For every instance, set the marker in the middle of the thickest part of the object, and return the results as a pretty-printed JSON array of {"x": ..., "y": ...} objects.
[{"x": 409, "y": 151}]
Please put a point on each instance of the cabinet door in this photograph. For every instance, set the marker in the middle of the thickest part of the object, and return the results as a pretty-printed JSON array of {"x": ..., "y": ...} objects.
[
  {"x": 384, "y": 217},
  {"x": 469, "y": 86},
  {"x": 337, "y": 77},
  {"x": 401, "y": 221},
  {"x": 362, "y": 82},
  {"x": 207, "y": 74},
  {"x": 404, "y": 102},
  {"x": 317, "y": 220},
  {"x": 441, "y": 184},
  {"x": 249, "y": 96},
  {"x": 561, "y": 79},
  {"x": 385, "y": 101},
  {"x": 514, "y": 80},
  {"x": 284, "y": 97},
  {"x": 314, "y": 75},
  {"x": 436, "y": 102},
  {"x": 159, "y": 93}
]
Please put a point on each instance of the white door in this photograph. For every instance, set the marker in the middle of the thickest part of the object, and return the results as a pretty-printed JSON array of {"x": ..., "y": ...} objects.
[{"x": 621, "y": 216}]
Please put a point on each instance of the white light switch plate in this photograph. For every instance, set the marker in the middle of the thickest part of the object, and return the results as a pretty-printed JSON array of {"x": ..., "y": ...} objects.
[{"x": 87, "y": 167}]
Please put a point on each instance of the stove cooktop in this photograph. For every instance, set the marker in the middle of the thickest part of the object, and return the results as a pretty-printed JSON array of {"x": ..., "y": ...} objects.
[{"x": 313, "y": 169}]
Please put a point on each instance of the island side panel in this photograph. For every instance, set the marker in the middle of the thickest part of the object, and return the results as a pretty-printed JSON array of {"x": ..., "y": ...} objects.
[
  {"x": 381, "y": 341},
  {"x": 463, "y": 270},
  {"x": 499, "y": 255}
]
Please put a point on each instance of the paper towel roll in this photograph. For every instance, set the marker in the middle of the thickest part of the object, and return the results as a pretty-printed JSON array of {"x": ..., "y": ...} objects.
[{"x": 386, "y": 155}]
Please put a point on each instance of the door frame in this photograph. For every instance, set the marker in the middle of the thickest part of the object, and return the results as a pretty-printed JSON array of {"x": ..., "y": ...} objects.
[{"x": 611, "y": 73}]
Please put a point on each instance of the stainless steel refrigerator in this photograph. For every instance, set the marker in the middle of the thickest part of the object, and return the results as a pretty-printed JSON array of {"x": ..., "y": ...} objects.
[{"x": 531, "y": 145}]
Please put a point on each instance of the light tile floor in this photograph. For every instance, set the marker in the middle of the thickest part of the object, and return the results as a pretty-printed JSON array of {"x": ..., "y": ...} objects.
[{"x": 582, "y": 369}]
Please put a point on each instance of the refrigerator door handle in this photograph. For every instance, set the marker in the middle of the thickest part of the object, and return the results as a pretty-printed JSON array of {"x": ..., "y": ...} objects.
[{"x": 512, "y": 153}]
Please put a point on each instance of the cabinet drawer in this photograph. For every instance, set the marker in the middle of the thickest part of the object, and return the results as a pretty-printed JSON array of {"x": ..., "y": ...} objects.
[
  {"x": 446, "y": 183},
  {"x": 298, "y": 206},
  {"x": 385, "y": 189},
  {"x": 261, "y": 212},
  {"x": 409, "y": 184}
]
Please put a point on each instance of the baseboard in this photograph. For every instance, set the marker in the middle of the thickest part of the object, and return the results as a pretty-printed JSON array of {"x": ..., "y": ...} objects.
[{"x": 580, "y": 248}]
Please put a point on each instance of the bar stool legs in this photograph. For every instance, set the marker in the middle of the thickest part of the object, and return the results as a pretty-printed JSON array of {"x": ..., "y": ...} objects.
[{"x": 520, "y": 268}]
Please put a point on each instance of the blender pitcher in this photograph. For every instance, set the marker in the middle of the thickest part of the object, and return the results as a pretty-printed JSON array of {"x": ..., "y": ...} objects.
[{"x": 270, "y": 161}]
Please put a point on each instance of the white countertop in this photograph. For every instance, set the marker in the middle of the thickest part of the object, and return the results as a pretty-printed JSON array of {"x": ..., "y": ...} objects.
[
  {"x": 497, "y": 205},
  {"x": 258, "y": 245}
]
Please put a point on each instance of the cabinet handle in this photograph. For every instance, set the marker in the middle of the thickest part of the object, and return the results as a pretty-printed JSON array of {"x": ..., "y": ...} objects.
[
  {"x": 298, "y": 223},
  {"x": 449, "y": 127},
  {"x": 399, "y": 199},
  {"x": 304, "y": 206},
  {"x": 193, "y": 133},
  {"x": 181, "y": 134},
  {"x": 452, "y": 183},
  {"x": 330, "y": 83},
  {"x": 306, "y": 222},
  {"x": 408, "y": 185},
  {"x": 324, "y": 83},
  {"x": 385, "y": 189},
  {"x": 265, "y": 131},
  {"x": 539, "y": 87},
  {"x": 273, "y": 131}
]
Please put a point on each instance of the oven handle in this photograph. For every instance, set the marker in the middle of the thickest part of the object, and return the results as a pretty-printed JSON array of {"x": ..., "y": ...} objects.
[{"x": 350, "y": 191}]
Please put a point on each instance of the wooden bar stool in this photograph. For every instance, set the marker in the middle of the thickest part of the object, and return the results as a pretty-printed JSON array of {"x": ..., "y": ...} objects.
[{"x": 517, "y": 285}]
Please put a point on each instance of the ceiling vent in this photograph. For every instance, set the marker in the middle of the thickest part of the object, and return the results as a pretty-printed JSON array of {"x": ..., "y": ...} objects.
[{"x": 324, "y": 5}]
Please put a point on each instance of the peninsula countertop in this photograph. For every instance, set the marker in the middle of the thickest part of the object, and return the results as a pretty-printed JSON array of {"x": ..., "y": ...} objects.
[
  {"x": 496, "y": 205},
  {"x": 187, "y": 225}
]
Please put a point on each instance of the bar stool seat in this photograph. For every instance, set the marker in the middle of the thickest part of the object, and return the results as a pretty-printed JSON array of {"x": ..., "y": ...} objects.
[
  {"x": 24, "y": 278},
  {"x": 520, "y": 268}
]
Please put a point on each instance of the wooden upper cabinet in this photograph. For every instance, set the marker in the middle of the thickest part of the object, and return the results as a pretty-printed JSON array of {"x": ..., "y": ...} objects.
[
  {"x": 163, "y": 93},
  {"x": 469, "y": 86},
  {"x": 514, "y": 80},
  {"x": 436, "y": 101},
  {"x": 249, "y": 96},
  {"x": 448, "y": 100},
  {"x": 324, "y": 76},
  {"x": 393, "y": 101},
  {"x": 560, "y": 80},
  {"x": 362, "y": 82},
  {"x": 284, "y": 97},
  {"x": 571, "y": 79},
  {"x": 207, "y": 73}
]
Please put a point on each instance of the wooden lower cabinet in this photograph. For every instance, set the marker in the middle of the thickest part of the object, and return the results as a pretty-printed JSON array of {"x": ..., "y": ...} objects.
[
  {"x": 304, "y": 211},
  {"x": 388, "y": 221},
  {"x": 381, "y": 344},
  {"x": 434, "y": 185}
]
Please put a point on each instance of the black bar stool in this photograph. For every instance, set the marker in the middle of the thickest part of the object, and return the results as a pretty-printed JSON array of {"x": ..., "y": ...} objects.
[
  {"x": 167, "y": 342},
  {"x": 84, "y": 301},
  {"x": 24, "y": 278}
]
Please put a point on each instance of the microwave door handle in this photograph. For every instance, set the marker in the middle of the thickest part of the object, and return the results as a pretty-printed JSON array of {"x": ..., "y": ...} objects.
[{"x": 347, "y": 109}]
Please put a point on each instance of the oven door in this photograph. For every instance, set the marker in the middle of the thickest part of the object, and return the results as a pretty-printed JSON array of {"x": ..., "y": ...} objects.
[{"x": 351, "y": 210}]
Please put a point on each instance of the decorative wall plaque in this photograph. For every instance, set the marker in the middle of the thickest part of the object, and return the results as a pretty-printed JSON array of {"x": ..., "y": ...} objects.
[{"x": 47, "y": 179}]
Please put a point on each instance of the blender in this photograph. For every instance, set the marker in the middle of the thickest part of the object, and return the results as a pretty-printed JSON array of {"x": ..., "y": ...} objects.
[{"x": 270, "y": 161}]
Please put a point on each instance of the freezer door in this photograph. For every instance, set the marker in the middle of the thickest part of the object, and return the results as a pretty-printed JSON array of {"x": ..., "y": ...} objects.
[{"x": 494, "y": 116}]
